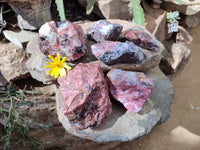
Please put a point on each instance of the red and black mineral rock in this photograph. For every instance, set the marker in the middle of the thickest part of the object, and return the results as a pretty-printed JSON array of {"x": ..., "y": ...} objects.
[
  {"x": 85, "y": 94},
  {"x": 104, "y": 30},
  {"x": 141, "y": 38},
  {"x": 117, "y": 52},
  {"x": 65, "y": 38}
]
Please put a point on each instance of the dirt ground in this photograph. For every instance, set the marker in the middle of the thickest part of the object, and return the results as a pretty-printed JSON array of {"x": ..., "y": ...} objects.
[{"x": 182, "y": 130}]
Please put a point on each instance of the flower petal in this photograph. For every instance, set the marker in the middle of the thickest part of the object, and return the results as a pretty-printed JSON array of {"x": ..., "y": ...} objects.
[
  {"x": 51, "y": 63},
  {"x": 50, "y": 71},
  {"x": 58, "y": 57},
  {"x": 51, "y": 66},
  {"x": 62, "y": 72},
  {"x": 63, "y": 60},
  {"x": 56, "y": 74},
  {"x": 67, "y": 67},
  {"x": 52, "y": 58}
]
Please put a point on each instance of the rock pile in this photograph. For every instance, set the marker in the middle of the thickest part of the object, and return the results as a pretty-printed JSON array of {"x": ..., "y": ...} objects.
[{"x": 83, "y": 102}]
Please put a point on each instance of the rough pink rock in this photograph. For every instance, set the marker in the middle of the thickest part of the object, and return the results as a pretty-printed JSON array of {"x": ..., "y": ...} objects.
[
  {"x": 141, "y": 38},
  {"x": 117, "y": 52},
  {"x": 130, "y": 88},
  {"x": 64, "y": 37},
  {"x": 104, "y": 30},
  {"x": 85, "y": 94}
]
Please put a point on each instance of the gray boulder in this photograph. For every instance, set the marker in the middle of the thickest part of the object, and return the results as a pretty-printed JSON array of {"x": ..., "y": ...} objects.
[{"x": 36, "y": 63}]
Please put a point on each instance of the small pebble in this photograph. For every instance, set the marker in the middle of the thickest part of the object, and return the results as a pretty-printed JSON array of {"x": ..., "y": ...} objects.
[{"x": 191, "y": 106}]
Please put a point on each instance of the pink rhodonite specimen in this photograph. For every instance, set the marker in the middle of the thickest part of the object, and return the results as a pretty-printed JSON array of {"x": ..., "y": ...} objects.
[
  {"x": 65, "y": 38},
  {"x": 130, "y": 88},
  {"x": 86, "y": 96}
]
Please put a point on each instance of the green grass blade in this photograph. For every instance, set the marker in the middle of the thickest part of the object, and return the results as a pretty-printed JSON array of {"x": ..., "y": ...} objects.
[
  {"x": 61, "y": 10},
  {"x": 90, "y": 6},
  {"x": 138, "y": 13}
]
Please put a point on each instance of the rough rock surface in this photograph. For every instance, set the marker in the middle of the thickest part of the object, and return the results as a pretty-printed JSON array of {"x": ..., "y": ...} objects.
[
  {"x": 104, "y": 30},
  {"x": 152, "y": 58},
  {"x": 122, "y": 125},
  {"x": 36, "y": 63},
  {"x": 189, "y": 8},
  {"x": 12, "y": 62},
  {"x": 192, "y": 21},
  {"x": 183, "y": 36},
  {"x": 117, "y": 52},
  {"x": 176, "y": 57},
  {"x": 156, "y": 22},
  {"x": 141, "y": 38},
  {"x": 31, "y": 14},
  {"x": 130, "y": 88},
  {"x": 19, "y": 38},
  {"x": 85, "y": 94},
  {"x": 112, "y": 9},
  {"x": 64, "y": 37}
]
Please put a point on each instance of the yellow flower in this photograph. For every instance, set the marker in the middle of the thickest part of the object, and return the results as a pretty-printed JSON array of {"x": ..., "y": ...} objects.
[{"x": 58, "y": 66}]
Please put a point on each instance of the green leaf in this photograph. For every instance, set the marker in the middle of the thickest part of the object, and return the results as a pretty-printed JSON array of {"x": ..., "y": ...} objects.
[
  {"x": 61, "y": 10},
  {"x": 90, "y": 6},
  {"x": 180, "y": 2},
  {"x": 138, "y": 13}
]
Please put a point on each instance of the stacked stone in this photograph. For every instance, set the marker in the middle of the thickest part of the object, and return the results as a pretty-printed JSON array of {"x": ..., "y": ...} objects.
[{"x": 84, "y": 89}]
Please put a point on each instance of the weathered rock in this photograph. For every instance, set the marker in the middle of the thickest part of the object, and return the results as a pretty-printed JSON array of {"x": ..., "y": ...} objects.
[
  {"x": 112, "y": 9},
  {"x": 156, "y": 22},
  {"x": 176, "y": 58},
  {"x": 122, "y": 125},
  {"x": 141, "y": 38},
  {"x": 183, "y": 36},
  {"x": 85, "y": 93},
  {"x": 192, "y": 21},
  {"x": 130, "y": 88},
  {"x": 12, "y": 62},
  {"x": 31, "y": 14},
  {"x": 104, "y": 30},
  {"x": 187, "y": 8},
  {"x": 152, "y": 58},
  {"x": 36, "y": 63},
  {"x": 59, "y": 138},
  {"x": 117, "y": 52},
  {"x": 19, "y": 38},
  {"x": 3, "y": 82},
  {"x": 64, "y": 37}
]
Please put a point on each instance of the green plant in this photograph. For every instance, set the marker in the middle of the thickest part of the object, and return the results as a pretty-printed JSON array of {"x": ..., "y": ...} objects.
[
  {"x": 137, "y": 10},
  {"x": 138, "y": 13},
  {"x": 14, "y": 122},
  {"x": 61, "y": 10},
  {"x": 172, "y": 16},
  {"x": 90, "y": 6}
]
